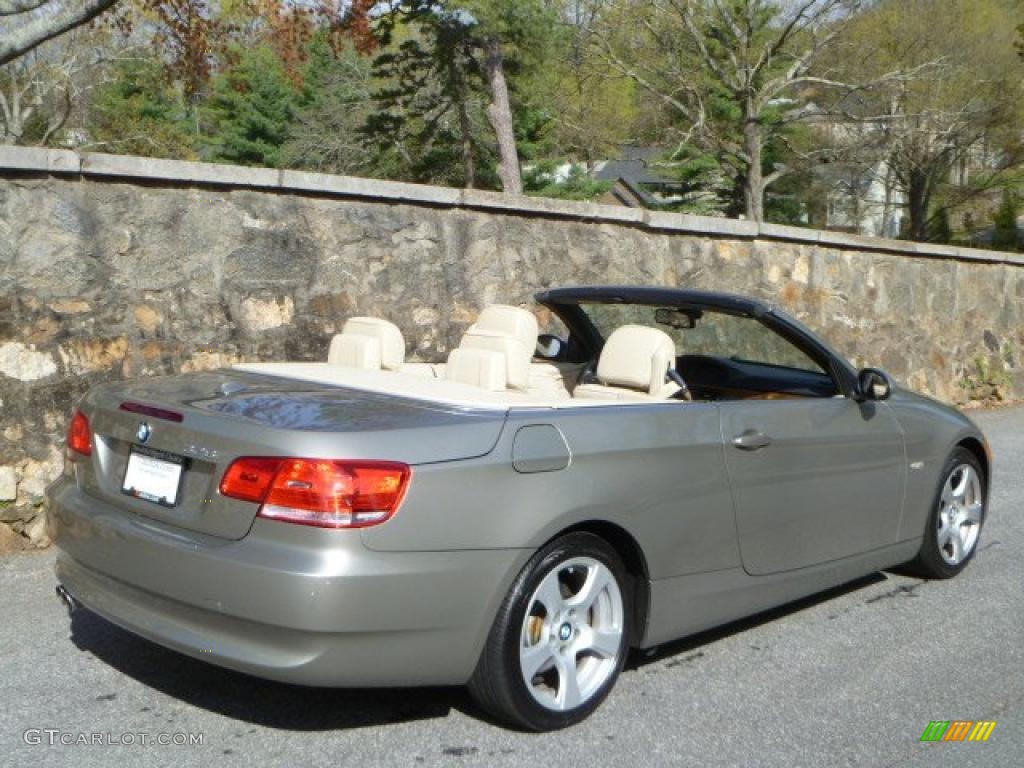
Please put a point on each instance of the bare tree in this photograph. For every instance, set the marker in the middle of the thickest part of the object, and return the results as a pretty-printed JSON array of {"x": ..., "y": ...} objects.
[
  {"x": 40, "y": 91},
  {"x": 962, "y": 109},
  {"x": 755, "y": 61},
  {"x": 28, "y": 23}
]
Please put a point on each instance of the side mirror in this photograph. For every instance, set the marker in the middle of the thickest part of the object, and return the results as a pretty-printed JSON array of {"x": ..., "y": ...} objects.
[
  {"x": 549, "y": 347},
  {"x": 874, "y": 384}
]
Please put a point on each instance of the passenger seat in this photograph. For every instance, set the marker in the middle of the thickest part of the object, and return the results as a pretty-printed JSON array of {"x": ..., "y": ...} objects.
[{"x": 633, "y": 365}]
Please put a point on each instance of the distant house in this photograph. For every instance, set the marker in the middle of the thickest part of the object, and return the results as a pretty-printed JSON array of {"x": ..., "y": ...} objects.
[
  {"x": 638, "y": 179},
  {"x": 864, "y": 201}
]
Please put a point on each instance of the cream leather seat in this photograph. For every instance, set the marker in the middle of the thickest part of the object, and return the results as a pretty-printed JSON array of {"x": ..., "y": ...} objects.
[
  {"x": 369, "y": 343},
  {"x": 633, "y": 366},
  {"x": 495, "y": 352},
  {"x": 548, "y": 381}
]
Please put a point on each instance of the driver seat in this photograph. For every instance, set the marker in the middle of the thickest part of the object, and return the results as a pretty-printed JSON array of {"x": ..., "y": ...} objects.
[{"x": 633, "y": 365}]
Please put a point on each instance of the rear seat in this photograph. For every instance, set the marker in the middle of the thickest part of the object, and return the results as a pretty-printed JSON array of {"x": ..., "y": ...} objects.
[
  {"x": 374, "y": 344},
  {"x": 549, "y": 381},
  {"x": 369, "y": 343},
  {"x": 494, "y": 354},
  {"x": 496, "y": 351}
]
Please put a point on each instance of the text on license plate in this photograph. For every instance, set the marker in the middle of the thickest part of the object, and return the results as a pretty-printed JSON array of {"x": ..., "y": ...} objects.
[{"x": 153, "y": 478}]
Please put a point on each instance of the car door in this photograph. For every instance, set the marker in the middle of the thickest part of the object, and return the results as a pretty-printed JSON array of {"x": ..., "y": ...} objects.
[
  {"x": 815, "y": 475},
  {"x": 812, "y": 479}
]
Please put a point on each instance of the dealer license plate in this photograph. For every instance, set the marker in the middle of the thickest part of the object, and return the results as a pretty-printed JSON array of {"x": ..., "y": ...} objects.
[{"x": 153, "y": 475}]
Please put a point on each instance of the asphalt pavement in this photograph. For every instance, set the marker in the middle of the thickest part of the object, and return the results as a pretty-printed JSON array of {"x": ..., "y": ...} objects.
[{"x": 849, "y": 678}]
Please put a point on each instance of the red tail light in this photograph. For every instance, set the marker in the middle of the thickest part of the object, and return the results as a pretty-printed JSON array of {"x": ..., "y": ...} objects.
[
  {"x": 249, "y": 479},
  {"x": 323, "y": 492},
  {"x": 80, "y": 434}
]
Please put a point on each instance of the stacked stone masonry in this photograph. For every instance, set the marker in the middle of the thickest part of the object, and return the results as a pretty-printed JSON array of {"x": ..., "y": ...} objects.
[{"x": 116, "y": 267}]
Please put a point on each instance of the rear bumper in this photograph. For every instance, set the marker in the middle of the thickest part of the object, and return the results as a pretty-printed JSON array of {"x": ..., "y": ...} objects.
[{"x": 291, "y": 603}]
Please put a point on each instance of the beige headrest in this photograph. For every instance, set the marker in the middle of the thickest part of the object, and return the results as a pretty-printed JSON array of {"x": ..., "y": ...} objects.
[
  {"x": 368, "y": 342},
  {"x": 636, "y": 357},
  {"x": 477, "y": 367},
  {"x": 504, "y": 320},
  {"x": 508, "y": 331}
]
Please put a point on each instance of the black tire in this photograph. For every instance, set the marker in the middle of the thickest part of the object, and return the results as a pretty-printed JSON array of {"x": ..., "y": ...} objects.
[
  {"x": 498, "y": 685},
  {"x": 929, "y": 563}
]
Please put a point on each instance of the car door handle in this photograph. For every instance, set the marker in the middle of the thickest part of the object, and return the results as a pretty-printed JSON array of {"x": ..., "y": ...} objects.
[{"x": 751, "y": 440}]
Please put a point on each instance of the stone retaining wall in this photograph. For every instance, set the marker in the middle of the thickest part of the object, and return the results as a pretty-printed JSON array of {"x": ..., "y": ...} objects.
[{"x": 114, "y": 267}]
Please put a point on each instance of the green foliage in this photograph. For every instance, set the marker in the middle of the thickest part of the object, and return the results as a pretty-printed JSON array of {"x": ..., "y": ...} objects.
[
  {"x": 539, "y": 181},
  {"x": 334, "y": 105},
  {"x": 251, "y": 109},
  {"x": 432, "y": 124},
  {"x": 429, "y": 124},
  {"x": 1004, "y": 235},
  {"x": 987, "y": 382},
  {"x": 139, "y": 112},
  {"x": 573, "y": 105},
  {"x": 939, "y": 230}
]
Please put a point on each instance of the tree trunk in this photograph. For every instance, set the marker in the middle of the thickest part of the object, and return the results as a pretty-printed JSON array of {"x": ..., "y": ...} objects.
[
  {"x": 468, "y": 160},
  {"x": 465, "y": 128},
  {"x": 499, "y": 112},
  {"x": 753, "y": 181},
  {"x": 919, "y": 195},
  {"x": 887, "y": 229}
]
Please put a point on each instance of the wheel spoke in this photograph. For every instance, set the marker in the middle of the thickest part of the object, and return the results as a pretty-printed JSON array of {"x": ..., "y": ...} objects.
[
  {"x": 604, "y": 642},
  {"x": 568, "y": 683},
  {"x": 947, "y": 493},
  {"x": 598, "y": 578},
  {"x": 945, "y": 533},
  {"x": 974, "y": 513},
  {"x": 535, "y": 659},
  {"x": 550, "y": 595},
  {"x": 961, "y": 487},
  {"x": 956, "y": 540}
]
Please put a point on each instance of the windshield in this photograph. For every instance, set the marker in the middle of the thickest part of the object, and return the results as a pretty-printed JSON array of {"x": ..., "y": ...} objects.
[{"x": 714, "y": 334}]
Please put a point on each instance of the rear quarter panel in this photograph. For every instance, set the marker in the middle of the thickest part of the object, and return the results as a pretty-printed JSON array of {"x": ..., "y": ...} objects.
[{"x": 656, "y": 471}]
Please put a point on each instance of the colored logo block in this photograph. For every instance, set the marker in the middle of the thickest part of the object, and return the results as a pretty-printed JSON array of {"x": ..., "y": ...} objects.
[{"x": 958, "y": 730}]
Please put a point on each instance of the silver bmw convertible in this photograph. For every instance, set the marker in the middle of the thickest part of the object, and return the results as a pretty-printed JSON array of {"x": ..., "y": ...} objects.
[{"x": 517, "y": 517}]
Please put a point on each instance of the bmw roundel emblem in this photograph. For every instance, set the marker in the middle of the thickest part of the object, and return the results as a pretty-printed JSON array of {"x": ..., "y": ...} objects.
[{"x": 143, "y": 432}]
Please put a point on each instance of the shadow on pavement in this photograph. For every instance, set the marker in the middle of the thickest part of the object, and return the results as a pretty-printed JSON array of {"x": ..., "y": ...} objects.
[
  {"x": 279, "y": 705},
  {"x": 694, "y": 642},
  {"x": 260, "y": 702}
]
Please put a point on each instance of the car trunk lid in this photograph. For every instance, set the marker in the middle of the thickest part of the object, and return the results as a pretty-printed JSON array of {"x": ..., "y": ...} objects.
[{"x": 227, "y": 414}]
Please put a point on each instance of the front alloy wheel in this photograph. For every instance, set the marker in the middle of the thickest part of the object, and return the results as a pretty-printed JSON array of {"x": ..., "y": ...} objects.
[
  {"x": 560, "y": 638},
  {"x": 958, "y": 514},
  {"x": 958, "y": 521}
]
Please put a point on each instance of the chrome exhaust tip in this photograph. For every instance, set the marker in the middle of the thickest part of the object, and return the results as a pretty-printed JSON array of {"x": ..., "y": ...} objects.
[{"x": 67, "y": 598}]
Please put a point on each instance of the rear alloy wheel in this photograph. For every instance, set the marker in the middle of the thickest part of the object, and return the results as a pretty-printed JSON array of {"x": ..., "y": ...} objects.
[
  {"x": 951, "y": 536},
  {"x": 560, "y": 639}
]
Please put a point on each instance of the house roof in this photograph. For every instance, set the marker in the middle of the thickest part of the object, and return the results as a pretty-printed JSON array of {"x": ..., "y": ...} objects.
[
  {"x": 630, "y": 194},
  {"x": 634, "y": 166}
]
